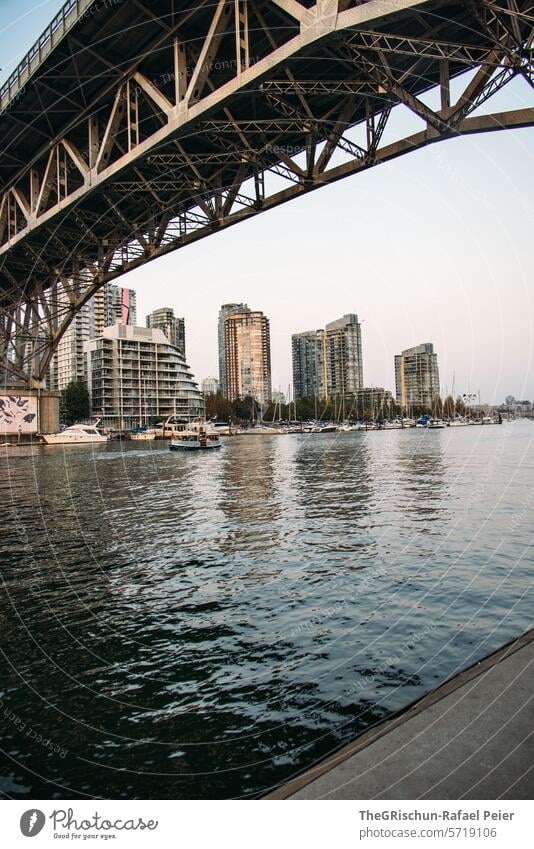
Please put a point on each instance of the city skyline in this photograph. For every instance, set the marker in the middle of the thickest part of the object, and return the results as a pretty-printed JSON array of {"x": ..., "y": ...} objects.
[{"x": 114, "y": 304}]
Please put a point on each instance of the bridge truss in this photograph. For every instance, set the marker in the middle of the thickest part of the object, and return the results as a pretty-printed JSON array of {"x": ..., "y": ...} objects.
[{"x": 135, "y": 128}]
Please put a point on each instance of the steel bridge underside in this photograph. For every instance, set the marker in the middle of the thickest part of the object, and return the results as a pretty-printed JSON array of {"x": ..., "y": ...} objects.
[{"x": 147, "y": 126}]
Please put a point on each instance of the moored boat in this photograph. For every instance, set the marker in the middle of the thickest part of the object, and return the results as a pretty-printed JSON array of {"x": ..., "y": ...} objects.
[
  {"x": 144, "y": 435},
  {"x": 78, "y": 434},
  {"x": 422, "y": 421}
]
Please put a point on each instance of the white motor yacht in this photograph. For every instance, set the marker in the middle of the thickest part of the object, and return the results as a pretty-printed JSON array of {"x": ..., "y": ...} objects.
[{"x": 78, "y": 434}]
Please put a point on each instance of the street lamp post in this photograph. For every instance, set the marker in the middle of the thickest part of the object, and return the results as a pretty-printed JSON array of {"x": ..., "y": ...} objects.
[{"x": 468, "y": 398}]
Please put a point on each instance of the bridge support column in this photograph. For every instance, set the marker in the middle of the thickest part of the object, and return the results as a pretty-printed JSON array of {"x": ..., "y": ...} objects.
[{"x": 26, "y": 413}]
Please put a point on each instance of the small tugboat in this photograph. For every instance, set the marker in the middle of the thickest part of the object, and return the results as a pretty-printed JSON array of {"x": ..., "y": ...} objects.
[{"x": 199, "y": 440}]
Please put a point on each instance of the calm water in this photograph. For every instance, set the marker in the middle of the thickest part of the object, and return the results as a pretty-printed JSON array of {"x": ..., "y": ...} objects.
[{"x": 206, "y": 626}]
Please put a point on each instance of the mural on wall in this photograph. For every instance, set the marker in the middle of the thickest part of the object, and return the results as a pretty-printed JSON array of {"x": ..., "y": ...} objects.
[{"x": 18, "y": 414}]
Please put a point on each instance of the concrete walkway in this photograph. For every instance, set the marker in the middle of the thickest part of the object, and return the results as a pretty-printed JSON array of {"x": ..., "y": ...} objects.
[{"x": 471, "y": 738}]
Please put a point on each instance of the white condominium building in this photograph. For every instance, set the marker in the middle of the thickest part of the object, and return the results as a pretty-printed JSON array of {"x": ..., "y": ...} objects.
[{"x": 136, "y": 377}]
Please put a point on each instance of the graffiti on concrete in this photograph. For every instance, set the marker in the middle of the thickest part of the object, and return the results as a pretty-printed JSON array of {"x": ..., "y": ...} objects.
[{"x": 18, "y": 414}]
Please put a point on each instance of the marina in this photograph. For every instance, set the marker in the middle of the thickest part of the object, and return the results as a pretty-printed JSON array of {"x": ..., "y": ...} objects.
[{"x": 175, "y": 430}]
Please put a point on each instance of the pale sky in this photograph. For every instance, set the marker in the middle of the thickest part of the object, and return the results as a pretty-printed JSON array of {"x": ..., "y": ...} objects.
[{"x": 436, "y": 246}]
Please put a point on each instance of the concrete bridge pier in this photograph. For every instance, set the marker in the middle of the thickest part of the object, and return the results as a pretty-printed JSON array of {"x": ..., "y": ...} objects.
[{"x": 26, "y": 412}]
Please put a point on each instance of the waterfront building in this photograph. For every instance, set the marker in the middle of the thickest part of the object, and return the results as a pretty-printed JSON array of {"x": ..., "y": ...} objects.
[
  {"x": 328, "y": 364},
  {"x": 210, "y": 386},
  {"x": 173, "y": 327},
  {"x": 225, "y": 310},
  {"x": 344, "y": 367},
  {"x": 309, "y": 364},
  {"x": 247, "y": 351},
  {"x": 136, "y": 377},
  {"x": 417, "y": 377},
  {"x": 109, "y": 304}
]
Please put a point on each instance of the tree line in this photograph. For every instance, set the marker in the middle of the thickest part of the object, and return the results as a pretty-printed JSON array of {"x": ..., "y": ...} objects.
[
  {"x": 309, "y": 409},
  {"x": 75, "y": 407}
]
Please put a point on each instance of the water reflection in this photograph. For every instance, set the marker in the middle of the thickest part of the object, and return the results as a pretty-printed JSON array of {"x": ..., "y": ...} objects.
[{"x": 198, "y": 627}]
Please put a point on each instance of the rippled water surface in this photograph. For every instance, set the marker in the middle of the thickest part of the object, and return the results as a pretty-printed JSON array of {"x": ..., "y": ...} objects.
[{"x": 205, "y": 626}]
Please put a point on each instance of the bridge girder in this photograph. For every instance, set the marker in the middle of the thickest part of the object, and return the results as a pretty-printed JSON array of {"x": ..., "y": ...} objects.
[{"x": 224, "y": 111}]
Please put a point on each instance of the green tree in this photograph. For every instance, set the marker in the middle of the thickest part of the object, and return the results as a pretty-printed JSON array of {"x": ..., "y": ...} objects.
[
  {"x": 218, "y": 408},
  {"x": 437, "y": 407},
  {"x": 75, "y": 404},
  {"x": 448, "y": 407},
  {"x": 460, "y": 406}
]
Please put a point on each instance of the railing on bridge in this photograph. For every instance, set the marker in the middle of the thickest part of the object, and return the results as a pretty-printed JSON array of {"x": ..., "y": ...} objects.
[{"x": 64, "y": 20}]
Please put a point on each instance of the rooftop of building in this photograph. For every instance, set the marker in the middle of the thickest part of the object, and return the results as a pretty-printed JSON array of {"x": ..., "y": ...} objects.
[
  {"x": 341, "y": 323},
  {"x": 130, "y": 333},
  {"x": 424, "y": 348}
]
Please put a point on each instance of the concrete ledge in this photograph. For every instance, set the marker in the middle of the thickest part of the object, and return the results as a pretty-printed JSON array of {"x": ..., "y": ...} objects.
[{"x": 424, "y": 749}]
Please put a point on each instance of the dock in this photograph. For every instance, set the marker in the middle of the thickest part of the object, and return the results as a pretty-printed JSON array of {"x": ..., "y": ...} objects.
[{"x": 470, "y": 738}]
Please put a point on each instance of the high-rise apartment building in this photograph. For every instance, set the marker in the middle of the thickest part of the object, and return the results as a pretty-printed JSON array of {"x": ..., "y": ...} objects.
[
  {"x": 225, "y": 310},
  {"x": 135, "y": 377},
  {"x": 417, "y": 377},
  {"x": 109, "y": 304},
  {"x": 67, "y": 364},
  {"x": 247, "y": 350},
  {"x": 119, "y": 304},
  {"x": 173, "y": 327},
  {"x": 309, "y": 364},
  {"x": 328, "y": 363},
  {"x": 344, "y": 356},
  {"x": 210, "y": 386}
]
